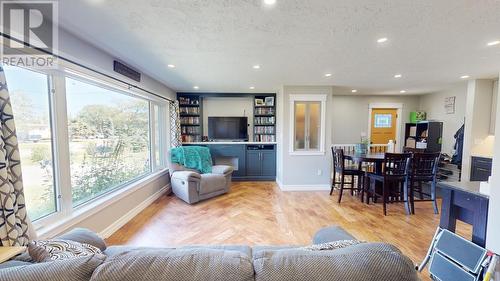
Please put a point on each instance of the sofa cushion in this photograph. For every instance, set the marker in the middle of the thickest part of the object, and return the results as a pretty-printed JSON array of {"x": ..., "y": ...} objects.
[
  {"x": 212, "y": 183},
  {"x": 363, "y": 262},
  {"x": 62, "y": 270},
  {"x": 59, "y": 249},
  {"x": 120, "y": 250},
  {"x": 239, "y": 248},
  {"x": 83, "y": 235},
  {"x": 331, "y": 234},
  {"x": 176, "y": 264}
]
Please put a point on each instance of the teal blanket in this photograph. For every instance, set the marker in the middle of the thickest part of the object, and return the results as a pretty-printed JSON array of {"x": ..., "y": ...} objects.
[{"x": 193, "y": 157}]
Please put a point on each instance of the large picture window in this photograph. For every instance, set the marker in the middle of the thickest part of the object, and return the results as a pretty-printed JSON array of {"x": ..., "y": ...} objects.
[
  {"x": 109, "y": 139},
  {"x": 29, "y": 94},
  {"x": 81, "y": 139}
]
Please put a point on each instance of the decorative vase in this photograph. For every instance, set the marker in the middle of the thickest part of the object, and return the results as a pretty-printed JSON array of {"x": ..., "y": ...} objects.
[{"x": 361, "y": 148}]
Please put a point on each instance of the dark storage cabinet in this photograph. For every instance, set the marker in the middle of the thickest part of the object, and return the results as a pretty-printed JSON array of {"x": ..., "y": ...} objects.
[
  {"x": 252, "y": 161},
  {"x": 480, "y": 168},
  {"x": 261, "y": 161},
  {"x": 425, "y": 135}
]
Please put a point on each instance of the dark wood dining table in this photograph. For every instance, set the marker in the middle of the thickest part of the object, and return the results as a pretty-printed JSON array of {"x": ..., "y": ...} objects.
[{"x": 376, "y": 158}]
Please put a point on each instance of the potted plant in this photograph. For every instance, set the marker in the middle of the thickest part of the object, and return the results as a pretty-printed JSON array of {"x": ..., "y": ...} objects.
[{"x": 362, "y": 147}]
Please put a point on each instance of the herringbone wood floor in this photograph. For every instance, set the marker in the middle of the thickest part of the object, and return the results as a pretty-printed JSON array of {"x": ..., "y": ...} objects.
[{"x": 259, "y": 213}]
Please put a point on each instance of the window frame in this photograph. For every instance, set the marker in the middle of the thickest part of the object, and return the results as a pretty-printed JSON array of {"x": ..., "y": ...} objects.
[
  {"x": 321, "y": 98},
  {"x": 65, "y": 211}
]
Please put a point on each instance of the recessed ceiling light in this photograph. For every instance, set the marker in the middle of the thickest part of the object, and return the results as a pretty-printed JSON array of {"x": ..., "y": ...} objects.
[
  {"x": 171, "y": 66},
  {"x": 398, "y": 76},
  {"x": 382, "y": 40},
  {"x": 251, "y": 88},
  {"x": 465, "y": 76},
  {"x": 354, "y": 91},
  {"x": 328, "y": 75},
  {"x": 196, "y": 87},
  {"x": 269, "y": 2},
  {"x": 256, "y": 66},
  {"x": 402, "y": 91},
  {"x": 493, "y": 43}
]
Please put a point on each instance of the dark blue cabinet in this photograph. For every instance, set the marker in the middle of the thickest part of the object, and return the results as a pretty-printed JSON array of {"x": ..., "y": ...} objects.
[
  {"x": 261, "y": 162},
  {"x": 250, "y": 161},
  {"x": 254, "y": 168},
  {"x": 230, "y": 154}
]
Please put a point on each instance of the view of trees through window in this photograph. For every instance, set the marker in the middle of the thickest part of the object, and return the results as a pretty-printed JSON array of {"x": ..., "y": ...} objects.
[
  {"x": 109, "y": 139},
  {"x": 30, "y": 102}
]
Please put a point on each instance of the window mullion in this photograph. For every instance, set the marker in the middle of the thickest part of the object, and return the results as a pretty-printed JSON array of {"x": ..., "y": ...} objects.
[
  {"x": 61, "y": 144},
  {"x": 152, "y": 137}
]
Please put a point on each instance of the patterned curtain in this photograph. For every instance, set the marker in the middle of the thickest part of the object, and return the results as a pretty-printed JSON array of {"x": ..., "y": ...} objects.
[
  {"x": 13, "y": 218},
  {"x": 175, "y": 125}
]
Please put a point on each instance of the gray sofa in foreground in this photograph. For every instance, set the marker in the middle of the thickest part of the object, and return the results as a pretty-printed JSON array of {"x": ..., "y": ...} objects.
[
  {"x": 191, "y": 186},
  {"x": 363, "y": 262}
]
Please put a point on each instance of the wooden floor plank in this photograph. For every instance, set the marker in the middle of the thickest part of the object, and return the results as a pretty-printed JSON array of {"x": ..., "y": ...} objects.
[{"x": 259, "y": 213}]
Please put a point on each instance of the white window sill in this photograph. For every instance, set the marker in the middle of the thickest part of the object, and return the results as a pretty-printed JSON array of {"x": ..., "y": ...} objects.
[
  {"x": 57, "y": 223},
  {"x": 307, "y": 153}
]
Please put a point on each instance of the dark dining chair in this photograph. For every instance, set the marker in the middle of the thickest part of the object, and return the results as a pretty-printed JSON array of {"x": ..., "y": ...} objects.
[
  {"x": 340, "y": 169},
  {"x": 393, "y": 181},
  {"x": 424, "y": 168}
]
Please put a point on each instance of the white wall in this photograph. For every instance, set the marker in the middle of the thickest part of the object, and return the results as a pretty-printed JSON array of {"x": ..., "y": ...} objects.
[
  {"x": 493, "y": 232},
  {"x": 350, "y": 115},
  {"x": 433, "y": 105},
  {"x": 228, "y": 107},
  {"x": 477, "y": 140},
  {"x": 300, "y": 172},
  {"x": 83, "y": 52}
]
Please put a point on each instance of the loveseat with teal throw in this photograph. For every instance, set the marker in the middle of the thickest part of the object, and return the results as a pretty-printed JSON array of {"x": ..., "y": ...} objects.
[{"x": 193, "y": 177}]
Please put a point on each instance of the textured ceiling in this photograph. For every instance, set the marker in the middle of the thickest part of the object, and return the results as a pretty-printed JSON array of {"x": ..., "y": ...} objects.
[{"x": 214, "y": 43}]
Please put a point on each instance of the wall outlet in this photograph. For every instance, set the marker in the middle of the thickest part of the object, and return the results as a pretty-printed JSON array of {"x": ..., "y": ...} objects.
[{"x": 320, "y": 172}]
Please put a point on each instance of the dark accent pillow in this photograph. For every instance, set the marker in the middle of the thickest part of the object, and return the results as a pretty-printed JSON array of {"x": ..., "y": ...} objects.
[{"x": 60, "y": 249}]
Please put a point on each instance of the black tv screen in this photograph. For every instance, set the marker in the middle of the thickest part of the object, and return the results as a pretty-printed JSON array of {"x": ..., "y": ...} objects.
[{"x": 227, "y": 128}]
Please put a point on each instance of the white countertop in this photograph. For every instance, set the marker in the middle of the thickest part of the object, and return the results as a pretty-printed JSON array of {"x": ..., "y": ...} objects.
[{"x": 228, "y": 142}]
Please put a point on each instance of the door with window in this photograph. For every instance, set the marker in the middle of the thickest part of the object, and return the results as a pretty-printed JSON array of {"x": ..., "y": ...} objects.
[{"x": 383, "y": 125}]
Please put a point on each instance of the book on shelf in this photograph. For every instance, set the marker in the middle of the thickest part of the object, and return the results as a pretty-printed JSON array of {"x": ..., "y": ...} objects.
[
  {"x": 264, "y": 138},
  {"x": 188, "y": 101},
  {"x": 264, "y": 111},
  {"x": 190, "y": 120},
  {"x": 190, "y": 130},
  {"x": 189, "y": 110},
  {"x": 264, "y": 120},
  {"x": 191, "y": 138},
  {"x": 264, "y": 130}
]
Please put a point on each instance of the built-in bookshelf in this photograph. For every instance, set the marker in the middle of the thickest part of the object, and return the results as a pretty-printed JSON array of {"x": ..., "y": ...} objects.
[
  {"x": 264, "y": 119},
  {"x": 190, "y": 111}
]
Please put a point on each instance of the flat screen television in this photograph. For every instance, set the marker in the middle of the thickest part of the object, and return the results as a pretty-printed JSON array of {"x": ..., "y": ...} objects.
[{"x": 228, "y": 128}]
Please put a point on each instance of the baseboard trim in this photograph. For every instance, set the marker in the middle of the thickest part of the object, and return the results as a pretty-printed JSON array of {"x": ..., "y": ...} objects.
[
  {"x": 303, "y": 187},
  {"x": 108, "y": 231}
]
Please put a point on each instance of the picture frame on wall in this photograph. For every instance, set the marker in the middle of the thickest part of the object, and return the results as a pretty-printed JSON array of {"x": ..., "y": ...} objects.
[
  {"x": 269, "y": 101},
  {"x": 449, "y": 105},
  {"x": 259, "y": 102}
]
